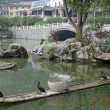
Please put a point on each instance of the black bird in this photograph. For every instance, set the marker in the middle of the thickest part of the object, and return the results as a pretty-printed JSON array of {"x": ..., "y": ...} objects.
[
  {"x": 1, "y": 94},
  {"x": 103, "y": 76},
  {"x": 42, "y": 90}
]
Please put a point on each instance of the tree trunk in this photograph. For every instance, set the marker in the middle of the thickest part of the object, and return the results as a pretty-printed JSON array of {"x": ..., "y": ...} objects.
[{"x": 79, "y": 33}]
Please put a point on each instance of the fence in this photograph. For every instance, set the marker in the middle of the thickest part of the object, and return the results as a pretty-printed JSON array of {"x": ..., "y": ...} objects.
[{"x": 39, "y": 26}]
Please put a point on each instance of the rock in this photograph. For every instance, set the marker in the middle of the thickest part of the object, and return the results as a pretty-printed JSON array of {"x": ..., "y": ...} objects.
[
  {"x": 76, "y": 45},
  {"x": 13, "y": 46},
  {"x": 80, "y": 55},
  {"x": 39, "y": 49},
  {"x": 104, "y": 56},
  {"x": 1, "y": 52},
  {"x": 15, "y": 51},
  {"x": 57, "y": 84},
  {"x": 7, "y": 54},
  {"x": 71, "y": 55},
  {"x": 71, "y": 40},
  {"x": 85, "y": 53}
]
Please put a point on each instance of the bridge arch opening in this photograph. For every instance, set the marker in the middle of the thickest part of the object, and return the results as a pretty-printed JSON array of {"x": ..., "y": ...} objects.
[{"x": 62, "y": 34}]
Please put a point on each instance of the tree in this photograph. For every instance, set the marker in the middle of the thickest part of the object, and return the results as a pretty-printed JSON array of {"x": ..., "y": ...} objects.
[
  {"x": 4, "y": 23},
  {"x": 82, "y": 8}
]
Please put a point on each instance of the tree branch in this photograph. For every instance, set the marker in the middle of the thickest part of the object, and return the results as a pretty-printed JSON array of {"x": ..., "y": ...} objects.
[
  {"x": 85, "y": 17},
  {"x": 67, "y": 14}
]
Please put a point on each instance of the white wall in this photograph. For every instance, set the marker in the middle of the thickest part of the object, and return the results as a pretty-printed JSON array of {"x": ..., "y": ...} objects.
[{"x": 52, "y": 2}]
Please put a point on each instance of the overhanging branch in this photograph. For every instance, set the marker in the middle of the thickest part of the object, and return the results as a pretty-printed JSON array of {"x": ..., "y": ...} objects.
[{"x": 67, "y": 14}]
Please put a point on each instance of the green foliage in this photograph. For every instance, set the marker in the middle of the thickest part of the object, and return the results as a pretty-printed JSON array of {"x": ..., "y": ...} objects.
[
  {"x": 49, "y": 50},
  {"x": 96, "y": 24},
  {"x": 107, "y": 21},
  {"x": 26, "y": 20},
  {"x": 55, "y": 20},
  {"x": 15, "y": 21},
  {"x": 31, "y": 20},
  {"x": 106, "y": 45},
  {"x": 41, "y": 23},
  {"x": 4, "y": 23}
]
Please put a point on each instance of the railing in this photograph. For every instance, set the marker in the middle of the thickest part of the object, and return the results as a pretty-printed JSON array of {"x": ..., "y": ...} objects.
[
  {"x": 106, "y": 26},
  {"x": 39, "y": 26}
]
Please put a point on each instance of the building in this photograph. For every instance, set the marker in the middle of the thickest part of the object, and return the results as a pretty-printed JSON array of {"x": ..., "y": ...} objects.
[
  {"x": 12, "y": 10},
  {"x": 42, "y": 8}
]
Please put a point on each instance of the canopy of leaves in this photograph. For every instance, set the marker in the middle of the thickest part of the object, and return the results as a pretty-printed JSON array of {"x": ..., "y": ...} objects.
[
  {"x": 55, "y": 20},
  {"x": 88, "y": 5}
]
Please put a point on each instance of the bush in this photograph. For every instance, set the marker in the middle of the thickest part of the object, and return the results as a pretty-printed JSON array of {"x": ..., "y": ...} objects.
[
  {"x": 4, "y": 23},
  {"x": 15, "y": 21},
  {"x": 41, "y": 23},
  {"x": 24, "y": 21},
  {"x": 31, "y": 20},
  {"x": 106, "y": 45},
  {"x": 55, "y": 20},
  {"x": 96, "y": 24}
]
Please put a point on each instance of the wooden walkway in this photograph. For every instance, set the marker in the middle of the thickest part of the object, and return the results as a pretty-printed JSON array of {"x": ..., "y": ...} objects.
[{"x": 36, "y": 96}]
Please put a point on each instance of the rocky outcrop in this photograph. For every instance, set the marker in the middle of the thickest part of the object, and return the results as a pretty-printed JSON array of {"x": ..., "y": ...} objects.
[
  {"x": 70, "y": 49},
  {"x": 15, "y": 51},
  {"x": 104, "y": 57}
]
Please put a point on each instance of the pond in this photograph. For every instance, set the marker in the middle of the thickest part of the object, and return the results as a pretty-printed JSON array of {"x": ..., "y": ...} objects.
[{"x": 24, "y": 79}]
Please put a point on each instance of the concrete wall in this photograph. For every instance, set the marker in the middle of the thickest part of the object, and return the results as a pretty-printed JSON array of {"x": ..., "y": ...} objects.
[{"x": 37, "y": 33}]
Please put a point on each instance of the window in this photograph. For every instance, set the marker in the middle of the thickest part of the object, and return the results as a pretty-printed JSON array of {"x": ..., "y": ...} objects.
[
  {"x": 11, "y": 13},
  {"x": 48, "y": 13}
]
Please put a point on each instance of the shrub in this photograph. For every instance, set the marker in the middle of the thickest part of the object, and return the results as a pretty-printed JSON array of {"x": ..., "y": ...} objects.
[
  {"x": 106, "y": 45},
  {"x": 31, "y": 20},
  {"x": 41, "y": 23},
  {"x": 15, "y": 21},
  {"x": 96, "y": 24},
  {"x": 4, "y": 23},
  {"x": 55, "y": 20}
]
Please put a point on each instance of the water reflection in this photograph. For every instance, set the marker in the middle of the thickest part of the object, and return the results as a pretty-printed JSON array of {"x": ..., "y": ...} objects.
[
  {"x": 21, "y": 62},
  {"x": 80, "y": 72}
]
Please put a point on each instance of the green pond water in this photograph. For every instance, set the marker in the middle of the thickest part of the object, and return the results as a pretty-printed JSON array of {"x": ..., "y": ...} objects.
[{"x": 24, "y": 79}]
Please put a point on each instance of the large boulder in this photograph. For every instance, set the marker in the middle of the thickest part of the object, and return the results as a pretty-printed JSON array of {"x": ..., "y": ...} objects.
[
  {"x": 104, "y": 57},
  {"x": 15, "y": 51},
  {"x": 85, "y": 53}
]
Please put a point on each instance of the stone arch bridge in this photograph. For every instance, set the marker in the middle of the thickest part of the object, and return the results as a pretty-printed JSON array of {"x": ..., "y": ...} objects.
[{"x": 39, "y": 31}]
